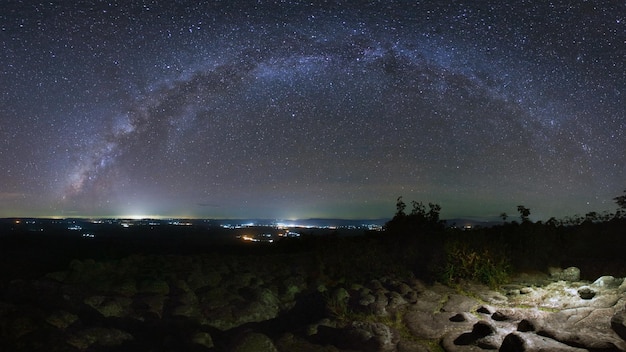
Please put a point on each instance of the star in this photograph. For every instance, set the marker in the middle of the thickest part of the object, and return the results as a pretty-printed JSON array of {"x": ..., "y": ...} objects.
[{"x": 289, "y": 109}]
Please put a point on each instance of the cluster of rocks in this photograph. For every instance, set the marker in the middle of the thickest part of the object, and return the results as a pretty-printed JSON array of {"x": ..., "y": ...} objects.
[
  {"x": 181, "y": 302},
  {"x": 245, "y": 303}
]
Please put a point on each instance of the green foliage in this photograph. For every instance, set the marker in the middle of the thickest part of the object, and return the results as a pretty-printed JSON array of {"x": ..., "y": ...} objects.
[
  {"x": 466, "y": 263},
  {"x": 337, "y": 307}
]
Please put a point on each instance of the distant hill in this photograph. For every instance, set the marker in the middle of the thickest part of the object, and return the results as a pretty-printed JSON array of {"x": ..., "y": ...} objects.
[
  {"x": 310, "y": 222},
  {"x": 460, "y": 222}
]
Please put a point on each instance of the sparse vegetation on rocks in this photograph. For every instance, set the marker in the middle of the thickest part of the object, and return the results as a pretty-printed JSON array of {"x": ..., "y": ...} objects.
[{"x": 418, "y": 286}]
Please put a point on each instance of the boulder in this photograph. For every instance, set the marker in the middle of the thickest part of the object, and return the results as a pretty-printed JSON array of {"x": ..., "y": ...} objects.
[
  {"x": 379, "y": 306},
  {"x": 203, "y": 339},
  {"x": 480, "y": 330},
  {"x": 372, "y": 336},
  {"x": 513, "y": 342},
  {"x": 187, "y": 297},
  {"x": 153, "y": 286},
  {"x": 527, "y": 279},
  {"x": 618, "y": 323},
  {"x": 395, "y": 301},
  {"x": 425, "y": 325},
  {"x": 150, "y": 306},
  {"x": 254, "y": 342},
  {"x": 411, "y": 297},
  {"x": 216, "y": 297},
  {"x": 561, "y": 295},
  {"x": 429, "y": 301},
  {"x": 586, "y": 292},
  {"x": 375, "y": 285},
  {"x": 105, "y": 337},
  {"x": 484, "y": 310},
  {"x": 360, "y": 336},
  {"x": 18, "y": 324},
  {"x": 124, "y": 287},
  {"x": 291, "y": 286},
  {"x": 483, "y": 328},
  {"x": 61, "y": 319},
  {"x": 588, "y": 328},
  {"x": 491, "y": 297},
  {"x": 402, "y": 288},
  {"x": 111, "y": 306},
  {"x": 461, "y": 317},
  {"x": 187, "y": 310},
  {"x": 499, "y": 316},
  {"x": 259, "y": 304},
  {"x": 197, "y": 279},
  {"x": 413, "y": 346},
  {"x": 459, "y": 303},
  {"x": 365, "y": 299},
  {"x": 340, "y": 294},
  {"x": 607, "y": 282},
  {"x": 525, "y": 325},
  {"x": 243, "y": 280},
  {"x": 569, "y": 274},
  {"x": 291, "y": 342},
  {"x": 525, "y": 290},
  {"x": 519, "y": 342}
]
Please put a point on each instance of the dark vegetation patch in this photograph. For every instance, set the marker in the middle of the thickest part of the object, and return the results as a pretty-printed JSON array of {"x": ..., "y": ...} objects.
[{"x": 416, "y": 244}]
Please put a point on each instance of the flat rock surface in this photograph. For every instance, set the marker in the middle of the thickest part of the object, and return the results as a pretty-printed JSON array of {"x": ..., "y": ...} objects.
[{"x": 205, "y": 304}]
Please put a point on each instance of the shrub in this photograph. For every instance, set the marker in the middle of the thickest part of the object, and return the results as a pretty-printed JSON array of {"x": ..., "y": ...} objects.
[
  {"x": 462, "y": 262},
  {"x": 337, "y": 304}
]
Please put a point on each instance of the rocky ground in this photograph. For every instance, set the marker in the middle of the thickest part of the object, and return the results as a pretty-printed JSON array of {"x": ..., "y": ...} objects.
[{"x": 248, "y": 303}]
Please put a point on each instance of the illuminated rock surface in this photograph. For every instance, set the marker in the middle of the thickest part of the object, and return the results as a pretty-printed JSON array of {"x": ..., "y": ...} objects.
[{"x": 205, "y": 303}]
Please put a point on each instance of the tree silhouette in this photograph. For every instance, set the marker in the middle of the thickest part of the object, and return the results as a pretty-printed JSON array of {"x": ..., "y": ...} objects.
[
  {"x": 621, "y": 203},
  {"x": 400, "y": 206},
  {"x": 503, "y": 216},
  {"x": 552, "y": 222},
  {"x": 418, "y": 221},
  {"x": 418, "y": 209},
  {"x": 523, "y": 212},
  {"x": 591, "y": 216},
  {"x": 433, "y": 213}
]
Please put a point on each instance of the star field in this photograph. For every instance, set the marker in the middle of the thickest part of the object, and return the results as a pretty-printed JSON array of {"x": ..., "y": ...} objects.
[{"x": 294, "y": 109}]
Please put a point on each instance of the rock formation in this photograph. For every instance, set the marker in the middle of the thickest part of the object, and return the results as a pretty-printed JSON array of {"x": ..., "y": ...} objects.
[{"x": 209, "y": 303}]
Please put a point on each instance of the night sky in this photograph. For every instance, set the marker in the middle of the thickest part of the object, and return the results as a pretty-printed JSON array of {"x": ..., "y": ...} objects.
[{"x": 297, "y": 109}]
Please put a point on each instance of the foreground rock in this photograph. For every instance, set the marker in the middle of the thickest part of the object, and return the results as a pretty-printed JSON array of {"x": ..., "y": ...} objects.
[
  {"x": 145, "y": 301},
  {"x": 201, "y": 303}
]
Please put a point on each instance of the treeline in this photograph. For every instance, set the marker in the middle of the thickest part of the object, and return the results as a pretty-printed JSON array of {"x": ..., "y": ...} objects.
[
  {"x": 594, "y": 242},
  {"x": 416, "y": 242}
]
